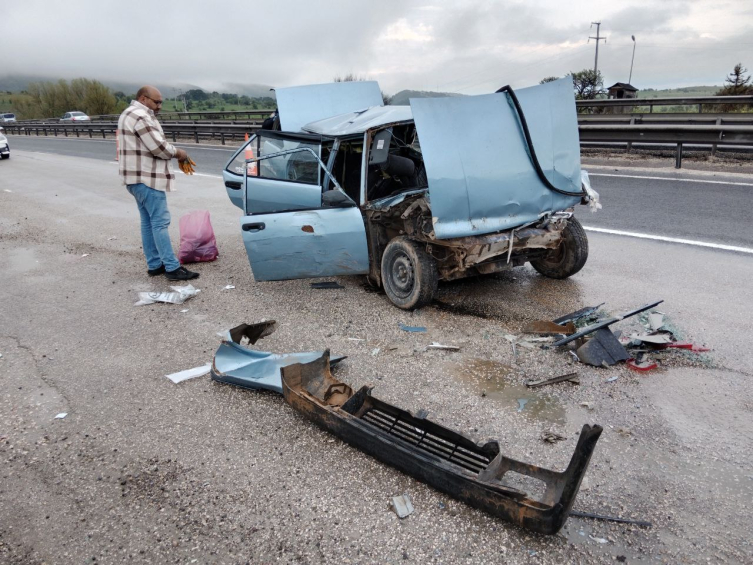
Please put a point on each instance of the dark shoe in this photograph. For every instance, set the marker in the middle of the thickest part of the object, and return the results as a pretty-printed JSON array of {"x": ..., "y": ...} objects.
[
  {"x": 181, "y": 274},
  {"x": 158, "y": 271}
]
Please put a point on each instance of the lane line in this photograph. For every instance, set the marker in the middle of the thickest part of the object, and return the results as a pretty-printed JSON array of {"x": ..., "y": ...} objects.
[
  {"x": 671, "y": 239},
  {"x": 112, "y": 141},
  {"x": 671, "y": 179},
  {"x": 195, "y": 174}
]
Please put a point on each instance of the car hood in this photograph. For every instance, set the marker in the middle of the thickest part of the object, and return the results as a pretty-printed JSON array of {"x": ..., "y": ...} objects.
[
  {"x": 480, "y": 174},
  {"x": 299, "y": 105}
]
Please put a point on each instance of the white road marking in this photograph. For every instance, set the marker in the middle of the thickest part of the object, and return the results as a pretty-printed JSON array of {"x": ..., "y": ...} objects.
[
  {"x": 671, "y": 239},
  {"x": 201, "y": 146},
  {"x": 195, "y": 174},
  {"x": 671, "y": 178}
]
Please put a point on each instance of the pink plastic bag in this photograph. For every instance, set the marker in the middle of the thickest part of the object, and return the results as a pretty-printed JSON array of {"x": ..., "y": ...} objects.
[{"x": 197, "y": 241}]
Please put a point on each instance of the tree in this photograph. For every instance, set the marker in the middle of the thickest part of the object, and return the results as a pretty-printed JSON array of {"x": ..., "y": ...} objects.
[
  {"x": 548, "y": 79},
  {"x": 737, "y": 84},
  {"x": 587, "y": 84}
]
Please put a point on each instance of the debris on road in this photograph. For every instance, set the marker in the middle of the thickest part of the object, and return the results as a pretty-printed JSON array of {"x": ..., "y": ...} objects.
[
  {"x": 522, "y": 404},
  {"x": 235, "y": 364},
  {"x": 580, "y": 514},
  {"x": 402, "y": 506},
  {"x": 326, "y": 285},
  {"x": 644, "y": 366},
  {"x": 436, "y": 345},
  {"x": 655, "y": 321},
  {"x": 570, "y": 377},
  {"x": 181, "y": 376},
  {"x": 586, "y": 312},
  {"x": 544, "y": 327},
  {"x": 415, "y": 329},
  {"x": 111, "y": 238},
  {"x": 179, "y": 296},
  {"x": 602, "y": 348},
  {"x": 551, "y": 436},
  {"x": 84, "y": 255},
  {"x": 443, "y": 458},
  {"x": 612, "y": 379},
  {"x": 598, "y": 540},
  {"x": 588, "y": 404},
  {"x": 228, "y": 287},
  {"x": 61, "y": 416}
]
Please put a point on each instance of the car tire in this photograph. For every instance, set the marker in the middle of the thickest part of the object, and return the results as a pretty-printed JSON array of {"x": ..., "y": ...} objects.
[
  {"x": 409, "y": 274},
  {"x": 569, "y": 257}
]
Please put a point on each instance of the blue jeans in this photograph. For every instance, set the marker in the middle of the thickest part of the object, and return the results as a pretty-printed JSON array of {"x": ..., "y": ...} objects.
[{"x": 155, "y": 219}]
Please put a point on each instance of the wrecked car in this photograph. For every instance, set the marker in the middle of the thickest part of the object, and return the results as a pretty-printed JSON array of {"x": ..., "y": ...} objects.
[
  {"x": 410, "y": 195},
  {"x": 478, "y": 474}
]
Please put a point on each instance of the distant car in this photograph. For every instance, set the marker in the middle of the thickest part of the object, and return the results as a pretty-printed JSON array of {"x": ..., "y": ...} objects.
[
  {"x": 7, "y": 118},
  {"x": 4, "y": 147},
  {"x": 75, "y": 117}
]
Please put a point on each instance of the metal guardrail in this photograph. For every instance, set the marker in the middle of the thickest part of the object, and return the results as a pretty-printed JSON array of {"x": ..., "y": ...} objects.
[
  {"x": 726, "y": 130},
  {"x": 699, "y": 101}
]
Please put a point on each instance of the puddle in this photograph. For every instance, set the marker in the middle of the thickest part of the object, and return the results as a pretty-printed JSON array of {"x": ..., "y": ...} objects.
[
  {"x": 22, "y": 261},
  {"x": 496, "y": 380}
]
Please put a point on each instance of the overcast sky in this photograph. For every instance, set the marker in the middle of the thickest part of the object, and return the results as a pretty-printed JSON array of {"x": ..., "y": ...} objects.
[{"x": 470, "y": 47}]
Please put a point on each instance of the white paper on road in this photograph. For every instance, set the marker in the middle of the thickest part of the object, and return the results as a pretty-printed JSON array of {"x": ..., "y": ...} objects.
[
  {"x": 189, "y": 374},
  {"x": 61, "y": 415},
  {"x": 181, "y": 294}
]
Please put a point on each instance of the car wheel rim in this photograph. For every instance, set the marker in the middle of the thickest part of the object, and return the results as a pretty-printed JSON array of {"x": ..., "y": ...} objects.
[{"x": 403, "y": 276}]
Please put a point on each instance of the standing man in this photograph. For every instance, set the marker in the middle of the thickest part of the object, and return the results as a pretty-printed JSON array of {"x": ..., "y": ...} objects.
[{"x": 144, "y": 156}]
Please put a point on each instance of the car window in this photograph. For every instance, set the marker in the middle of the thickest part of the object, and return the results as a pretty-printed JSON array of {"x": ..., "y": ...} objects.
[
  {"x": 296, "y": 167},
  {"x": 77, "y": 114}
]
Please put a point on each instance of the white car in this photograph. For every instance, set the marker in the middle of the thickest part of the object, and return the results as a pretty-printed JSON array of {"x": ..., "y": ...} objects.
[
  {"x": 75, "y": 117},
  {"x": 7, "y": 118},
  {"x": 4, "y": 147}
]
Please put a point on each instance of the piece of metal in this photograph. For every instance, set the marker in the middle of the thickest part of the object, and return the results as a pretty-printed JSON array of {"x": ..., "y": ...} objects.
[
  {"x": 603, "y": 324},
  {"x": 571, "y": 377},
  {"x": 478, "y": 474},
  {"x": 578, "y": 314},
  {"x": 300, "y": 105},
  {"x": 580, "y": 514},
  {"x": 603, "y": 348},
  {"x": 235, "y": 364},
  {"x": 544, "y": 327}
]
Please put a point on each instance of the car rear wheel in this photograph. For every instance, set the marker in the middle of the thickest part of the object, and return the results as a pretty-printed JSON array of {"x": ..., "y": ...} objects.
[
  {"x": 569, "y": 257},
  {"x": 409, "y": 274}
]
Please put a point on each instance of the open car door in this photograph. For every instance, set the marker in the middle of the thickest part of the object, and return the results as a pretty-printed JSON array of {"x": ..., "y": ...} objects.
[
  {"x": 480, "y": 173},
  {"x": 291, "y": 229}
]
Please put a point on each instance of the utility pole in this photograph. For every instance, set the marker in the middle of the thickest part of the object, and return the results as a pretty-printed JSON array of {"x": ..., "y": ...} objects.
[
  {"x": 631, "y": 61},
  {"x": 597, "y": 38}
]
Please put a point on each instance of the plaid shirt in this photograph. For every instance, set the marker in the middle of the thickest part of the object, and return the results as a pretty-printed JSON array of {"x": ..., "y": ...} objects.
[{"x": 144, "y": 153}]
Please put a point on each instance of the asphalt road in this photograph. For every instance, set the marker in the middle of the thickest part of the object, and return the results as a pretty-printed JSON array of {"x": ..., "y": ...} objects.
[
  {"x": 710, "y": 207},
  {"x": 141, "y": 470}
]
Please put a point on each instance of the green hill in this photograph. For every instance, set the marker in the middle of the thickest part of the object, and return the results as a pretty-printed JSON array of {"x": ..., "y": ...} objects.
[{"x": 677, "y": 92}]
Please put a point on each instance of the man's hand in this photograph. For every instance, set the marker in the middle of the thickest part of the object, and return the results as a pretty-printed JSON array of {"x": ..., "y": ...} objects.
[{"x": 181, "y": 155}]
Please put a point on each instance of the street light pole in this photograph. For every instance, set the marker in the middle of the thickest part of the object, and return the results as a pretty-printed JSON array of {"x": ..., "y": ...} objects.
[{"x": 631, "y": 60}]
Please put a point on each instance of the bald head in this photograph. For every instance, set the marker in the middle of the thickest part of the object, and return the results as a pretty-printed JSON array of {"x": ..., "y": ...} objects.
[{"x": 150, "y": 97}]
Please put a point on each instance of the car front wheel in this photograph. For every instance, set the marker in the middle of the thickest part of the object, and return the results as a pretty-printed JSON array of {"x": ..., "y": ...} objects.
[
  {"x": 569, "y": 257},
  {"x": 409, "y": 274}
]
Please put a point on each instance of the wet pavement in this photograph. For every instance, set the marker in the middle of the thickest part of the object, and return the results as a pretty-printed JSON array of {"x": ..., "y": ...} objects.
[{"x": 143, "y": 471}]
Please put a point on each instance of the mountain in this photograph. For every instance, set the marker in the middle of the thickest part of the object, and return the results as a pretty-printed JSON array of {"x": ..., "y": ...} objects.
[
  {"x": 18, "y": 83},
  {"x": 402, "y": 97}
]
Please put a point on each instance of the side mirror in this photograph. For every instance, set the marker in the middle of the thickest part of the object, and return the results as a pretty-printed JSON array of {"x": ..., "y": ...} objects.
[{"x": 336, "y": 199}]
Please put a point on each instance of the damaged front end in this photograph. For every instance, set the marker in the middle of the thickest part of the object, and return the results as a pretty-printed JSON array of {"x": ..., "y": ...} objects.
[
  {"x": 477, "y": 474},
  {"x": 460, "y": 257}
]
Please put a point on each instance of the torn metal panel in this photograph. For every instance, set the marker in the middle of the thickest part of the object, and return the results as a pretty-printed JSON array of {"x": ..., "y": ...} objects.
[
  {"x": 603, "y": 324},
  {"x": 478, "y": 474},
  {"x": 602, "y": 348},
  {"x": 238, "y": 365},
  {"x": 571, "y": 377}
]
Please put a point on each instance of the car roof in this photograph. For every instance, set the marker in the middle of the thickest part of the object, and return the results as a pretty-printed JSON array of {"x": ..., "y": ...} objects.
[{"x": 358, "y": 122}]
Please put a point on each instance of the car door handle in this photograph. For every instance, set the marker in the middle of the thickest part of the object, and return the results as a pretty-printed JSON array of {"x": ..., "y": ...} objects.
[
  {"x": 233, "y": 184},
  {"x": 258, "y": 226}
]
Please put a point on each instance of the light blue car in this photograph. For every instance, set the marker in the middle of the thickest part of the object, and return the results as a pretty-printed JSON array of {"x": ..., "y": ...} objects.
[{"x": 343, "y": 186}]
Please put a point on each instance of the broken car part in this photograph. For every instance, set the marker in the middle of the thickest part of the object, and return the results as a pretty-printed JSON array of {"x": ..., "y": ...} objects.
[
  {"x": 478, "y": 474},
  {"x": 235, "y": 364},
  {"x": 603, "y": 324},
  {"x": 544, "y": 327},
  {"x": 578, "y": 314},
  {"x": 580, "y": 514},
  {"x": 571, "y": 377},
  {"x": 603, "y": 348}
]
